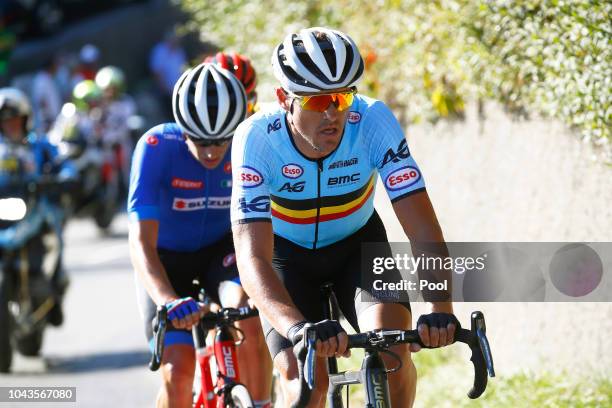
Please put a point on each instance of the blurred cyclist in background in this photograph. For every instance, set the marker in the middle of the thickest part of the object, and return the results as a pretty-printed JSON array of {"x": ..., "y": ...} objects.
[
  {"x": 41, "y": 159},
  {"x": 178, "y": 206},
  {"x": 117, "y": 109}
]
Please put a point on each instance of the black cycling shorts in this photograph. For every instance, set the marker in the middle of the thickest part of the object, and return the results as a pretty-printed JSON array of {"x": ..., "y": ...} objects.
[
  {"x": 303, "y": 271},
  {"x": 210, "y": 265}
]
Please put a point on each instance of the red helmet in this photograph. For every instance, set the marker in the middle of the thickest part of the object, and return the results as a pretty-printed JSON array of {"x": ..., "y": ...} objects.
[{"x": 238, "y": 65}]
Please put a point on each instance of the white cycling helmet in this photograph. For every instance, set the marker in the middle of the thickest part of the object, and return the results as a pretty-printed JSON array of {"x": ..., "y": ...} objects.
[
  {"x": 209, "y": 102},
  {"x": 317, "y": 59},
  {"x": 14, "y": 102}
]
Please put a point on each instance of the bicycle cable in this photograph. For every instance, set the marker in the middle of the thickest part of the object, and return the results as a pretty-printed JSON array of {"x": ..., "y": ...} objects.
[{"x": 395, "y": 356}]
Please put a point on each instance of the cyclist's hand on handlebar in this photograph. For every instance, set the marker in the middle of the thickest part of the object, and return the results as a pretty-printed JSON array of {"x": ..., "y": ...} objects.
[
  {"x": 185, "y": 312},
  {"x": 332, "y": 340},
  {"x": 436, "y": 330}
]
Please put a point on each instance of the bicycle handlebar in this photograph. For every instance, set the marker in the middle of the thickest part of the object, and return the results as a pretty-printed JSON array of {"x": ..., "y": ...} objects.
[
  {"x": 224, "y": 316},
  {"x": 475, "y": 338}
]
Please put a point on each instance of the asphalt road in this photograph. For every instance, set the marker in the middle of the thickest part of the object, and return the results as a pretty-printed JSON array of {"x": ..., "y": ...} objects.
[{"x": 100, "y": 349}]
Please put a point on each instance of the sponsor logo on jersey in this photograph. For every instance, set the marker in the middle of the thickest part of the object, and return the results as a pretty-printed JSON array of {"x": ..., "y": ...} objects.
[
  {"x": 401, "y": 153},
  {"x": 186, "y": 184},
  {"x": 343, "y": 163},
  {"x": 227, "y": 167},
  {"x": 200, "y": 203},
  {"x": 293, "y": 188},
  {"x": 402, "y": 178},
  {"x": 292, "y": 170},
  {"x": 354, "y": 117},
  {"x": 229, "y": 260},
  {"x": 219, "y": 203},
  {"x": 274, "y": 126},
  {"x": 249, "y": 177},
  {"x": 257, "y": 204},
  {"x": 343, "y": 180},
  {"x": 152, "y": 140},
  {"x": 189, "y": 204},
  {"x": 226, "y": 183}
]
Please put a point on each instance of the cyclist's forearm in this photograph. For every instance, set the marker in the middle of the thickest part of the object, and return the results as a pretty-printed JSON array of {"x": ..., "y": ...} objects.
[
  {"x": 268, "y": 292},
  {"x": 151, "y": 272}
]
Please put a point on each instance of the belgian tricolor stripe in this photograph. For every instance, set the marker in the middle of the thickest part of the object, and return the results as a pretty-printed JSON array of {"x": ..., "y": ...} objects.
[{"x": 332, "y": 207}]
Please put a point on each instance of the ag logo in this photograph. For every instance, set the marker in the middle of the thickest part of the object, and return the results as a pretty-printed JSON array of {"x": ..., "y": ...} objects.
[
  {"x": 258, "y": 204},
  {"x": 249, "y": 177},
  {"x": 402, "y": 178},
  {"x": 274, "y": 126},
  {"x": 295, "y": 188},
  {"x": 292, "y": 170},
  {"x": 391, "y": 156},
  {"x": 354, "y": 117}
]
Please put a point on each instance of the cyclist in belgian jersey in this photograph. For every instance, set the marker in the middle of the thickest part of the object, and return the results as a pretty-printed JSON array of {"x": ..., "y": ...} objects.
[
  {"x": 302, "y": 204},
  {"x": 178, "y": 205}
]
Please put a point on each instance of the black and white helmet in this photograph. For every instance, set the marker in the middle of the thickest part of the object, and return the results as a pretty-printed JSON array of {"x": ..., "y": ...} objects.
[
  {"x": 317, "y": 59},
  {"x": 208, "y": 102},
  {"x": 14, "y": 102}
]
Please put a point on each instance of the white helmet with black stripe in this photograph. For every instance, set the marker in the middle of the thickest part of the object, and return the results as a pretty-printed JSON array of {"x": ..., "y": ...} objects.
[
  {"x": 317, "y": 59},
  {"x": 13, "y": 103},
  {"x": 209, "y": 102}
]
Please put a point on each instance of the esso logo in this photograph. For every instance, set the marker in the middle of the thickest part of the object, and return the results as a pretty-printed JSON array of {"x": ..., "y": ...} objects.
[
  {"x": 292, "y": 170},
  {"x": 402, "y": 178},
  {"x": 249, "y": 177},
  {"x": 152, "y": 140},
  {"x": 354, "y": 117}
]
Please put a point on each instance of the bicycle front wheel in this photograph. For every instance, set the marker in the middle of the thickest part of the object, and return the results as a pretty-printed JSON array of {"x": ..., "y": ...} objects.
[{"x": 240, "y": 397}]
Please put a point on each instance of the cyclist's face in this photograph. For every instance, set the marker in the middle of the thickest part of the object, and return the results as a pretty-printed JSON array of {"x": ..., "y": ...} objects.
[
  {"x": 12, "y": 128},
  {"x": 209, "y": 156},
  {"x": 321, "y": 131}
]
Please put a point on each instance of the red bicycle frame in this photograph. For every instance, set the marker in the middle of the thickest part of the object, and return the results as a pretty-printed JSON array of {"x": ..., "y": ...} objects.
[{"x": 226, "y": 359}]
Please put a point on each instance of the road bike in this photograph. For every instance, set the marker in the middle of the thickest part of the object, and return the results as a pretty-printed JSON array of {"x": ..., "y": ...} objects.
[
  {"x": 227, "y": 391},
  {"x": 373, "y": 373}
]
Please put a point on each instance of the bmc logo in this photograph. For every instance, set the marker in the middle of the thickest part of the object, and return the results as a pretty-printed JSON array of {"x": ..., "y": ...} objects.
[
  {"x": 229, "y": 362},
  {"x": 402, "y": 178},
  {"x": 249, "y": 177},
  {"x": 258, "y": 204},
  {"x": 186, "y": 184},
  {"x": 391, "y": 156},
  {"x": 354, "y": 117},
  {"x": 274, "y": 126},
  {"x": 292, "y": 170},
  {"x": 296, "y": 188},
  {"x": 337, "y": 181}
]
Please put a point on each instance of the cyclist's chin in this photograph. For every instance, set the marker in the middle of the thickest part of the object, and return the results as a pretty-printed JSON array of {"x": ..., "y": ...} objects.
[{"x": 210, "y": 163}]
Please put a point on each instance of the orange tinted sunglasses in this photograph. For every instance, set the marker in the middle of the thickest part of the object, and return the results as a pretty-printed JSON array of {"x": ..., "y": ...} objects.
[{"x": 320, "y": 103}]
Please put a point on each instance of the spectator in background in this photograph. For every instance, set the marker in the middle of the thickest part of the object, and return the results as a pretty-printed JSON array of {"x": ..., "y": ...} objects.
[
  {"x": 46, "y": 97},
  {"x": 88, "y": 64},
  {"x": 166, "y": 62}
]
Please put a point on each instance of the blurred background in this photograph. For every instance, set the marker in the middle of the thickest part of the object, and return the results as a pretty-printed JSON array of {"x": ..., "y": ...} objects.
[{"x": 507, "y": 108}]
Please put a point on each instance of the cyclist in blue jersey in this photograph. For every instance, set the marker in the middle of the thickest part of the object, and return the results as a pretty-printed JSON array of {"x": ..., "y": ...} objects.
[
  {"x": 302, "y": 205},
  {"x": 178, "y": 205}
]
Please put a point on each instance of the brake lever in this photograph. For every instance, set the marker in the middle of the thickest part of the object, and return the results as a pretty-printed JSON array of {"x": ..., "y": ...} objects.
[{"x": 310, "y": 338}]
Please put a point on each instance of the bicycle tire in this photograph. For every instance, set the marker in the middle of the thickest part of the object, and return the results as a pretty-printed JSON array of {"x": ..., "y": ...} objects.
[{"x": 240, "y": 397}]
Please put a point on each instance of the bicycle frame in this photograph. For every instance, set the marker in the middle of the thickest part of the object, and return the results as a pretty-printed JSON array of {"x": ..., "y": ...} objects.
[{"x": 224, "y": 352}]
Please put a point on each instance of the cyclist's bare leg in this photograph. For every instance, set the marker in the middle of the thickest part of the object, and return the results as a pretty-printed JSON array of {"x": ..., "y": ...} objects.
[
  {"x": 254, "y": 360},
  {"x": 286, "y": 363},
  {"x": 402, "y": 384},
  {"x": 177, "y": 370}
]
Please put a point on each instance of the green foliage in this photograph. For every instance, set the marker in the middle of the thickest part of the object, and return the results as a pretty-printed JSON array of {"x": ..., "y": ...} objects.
[{"x": 425, "y": 58}]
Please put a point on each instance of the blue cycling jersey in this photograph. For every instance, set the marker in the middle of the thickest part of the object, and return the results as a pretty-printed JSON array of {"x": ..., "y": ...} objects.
[
  {"x": 311, "y": 202},
  {"x": 168, "y": 184}
]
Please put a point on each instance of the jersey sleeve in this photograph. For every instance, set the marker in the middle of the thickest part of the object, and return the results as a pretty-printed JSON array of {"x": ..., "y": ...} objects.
[
  {"x": 390, "y": 154},
  {"x": 251, "y": 175},
  {"x": 148, "y": 165}
]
